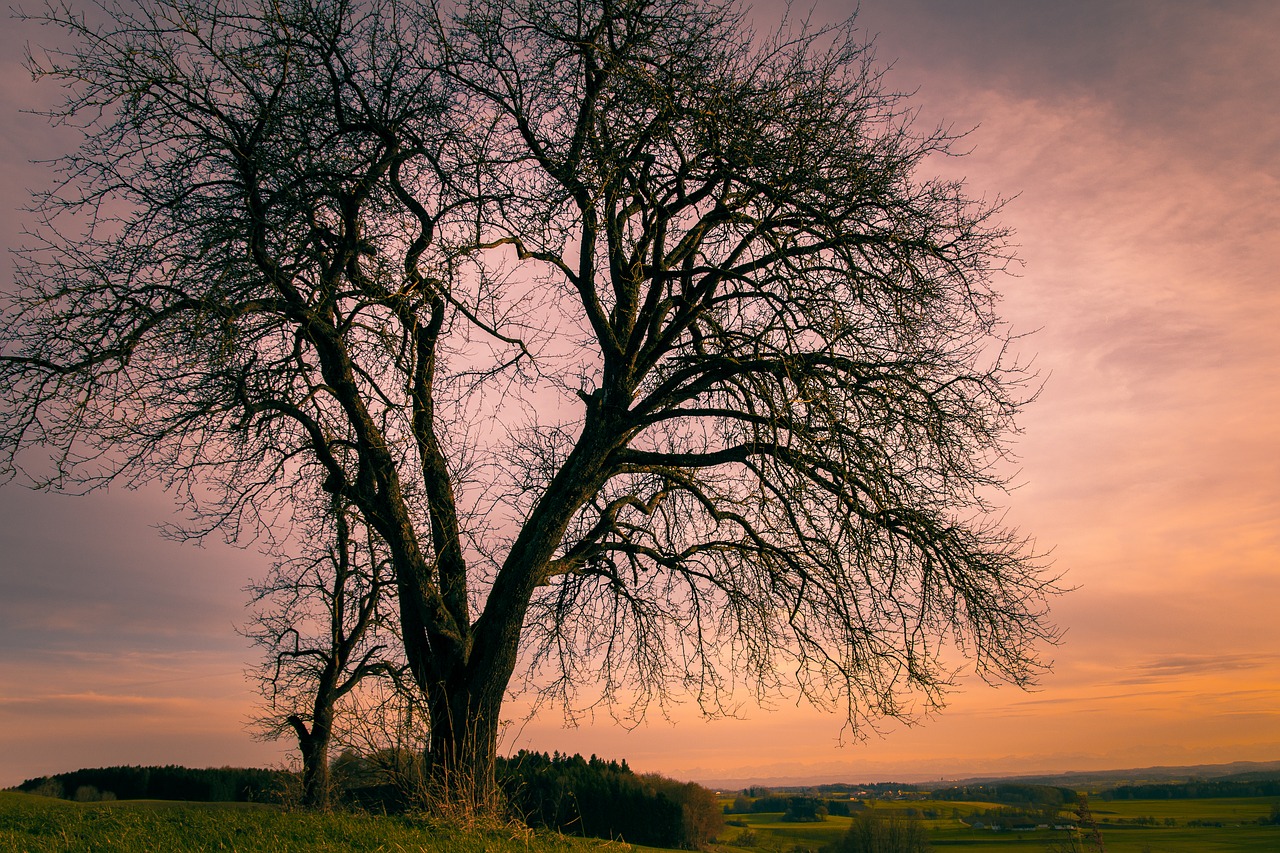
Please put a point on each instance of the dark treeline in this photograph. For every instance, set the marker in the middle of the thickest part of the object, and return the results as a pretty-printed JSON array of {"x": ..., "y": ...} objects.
[
  {"x": 1195, "y": 790},
  {"x": 1012, "y": 793},
  {"x": 605, "y": 799},
  {"x": 1014, "y": 818},
  {"x": 795, "y": 808},
  {"x": 213, "y": 785},
  {"x": 871, "y": 788},
  {"x": 844, "y": 789}
]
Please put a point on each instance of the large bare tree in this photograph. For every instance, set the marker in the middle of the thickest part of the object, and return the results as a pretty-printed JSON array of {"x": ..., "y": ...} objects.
[{"x": 643, "y": 342}]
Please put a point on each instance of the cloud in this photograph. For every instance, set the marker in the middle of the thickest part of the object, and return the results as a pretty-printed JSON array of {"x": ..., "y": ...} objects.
[
  {"x": 95, "y": 705},
  {"x": 1175, "y": 668},
  {"x": 1179, "y": 72},
  {"x": 91, "y": 573},
  {"x": 62, "y": 732},
  {"x": 1062, "y": 701},
  {"x": 1199, "y": 664}
]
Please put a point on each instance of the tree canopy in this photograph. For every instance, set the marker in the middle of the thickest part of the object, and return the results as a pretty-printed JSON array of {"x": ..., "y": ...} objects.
[{"x": 643, "y": 343}]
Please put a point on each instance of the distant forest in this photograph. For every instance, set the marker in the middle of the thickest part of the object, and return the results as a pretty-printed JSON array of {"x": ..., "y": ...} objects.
[
  {"x": 171, "y": 782},
  {"x": 1195, "y": 790},
  {"x": 1010, "y": 793}
]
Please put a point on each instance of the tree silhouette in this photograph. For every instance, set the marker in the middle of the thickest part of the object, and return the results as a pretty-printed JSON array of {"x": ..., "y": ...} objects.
[
  {"x": 638, "y": 339},
  {"x": 320, "y": 619}
]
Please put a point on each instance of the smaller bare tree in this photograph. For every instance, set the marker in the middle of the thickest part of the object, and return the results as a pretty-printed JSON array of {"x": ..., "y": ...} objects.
[{"x": 319, "y": 619}]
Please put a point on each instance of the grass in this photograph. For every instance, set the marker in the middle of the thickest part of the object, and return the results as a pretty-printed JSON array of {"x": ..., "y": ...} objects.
[
  {"x": 30, "y": 824},
  {"x": 1226, "y": 810},
  {"x": 1239, "y": 832}
]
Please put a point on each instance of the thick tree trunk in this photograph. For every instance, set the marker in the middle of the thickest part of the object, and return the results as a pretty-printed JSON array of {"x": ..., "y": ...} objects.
[
  {"x": 465, "y": 709},
  {"x": 463, "y": 752},
  {"x": 465, "y": 683}
]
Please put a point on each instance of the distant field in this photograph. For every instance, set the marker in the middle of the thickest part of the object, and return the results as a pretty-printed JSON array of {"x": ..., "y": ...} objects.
[
  {"x": 1228, "y": 810},
  {"x": 1239, "y": 833},
  {"x": 30, "y": 824}
]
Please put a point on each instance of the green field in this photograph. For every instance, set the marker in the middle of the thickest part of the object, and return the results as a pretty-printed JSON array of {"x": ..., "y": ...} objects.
[
  {"x": 1239, "y": 832},
  {"x": 30, "y": 824}
]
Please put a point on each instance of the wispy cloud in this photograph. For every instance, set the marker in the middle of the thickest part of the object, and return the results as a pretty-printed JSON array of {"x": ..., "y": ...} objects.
[
  {"x": 1176, "y": 667},
  {"x": 96, "y": 701},
  {"x": 1063, "y": 701}
]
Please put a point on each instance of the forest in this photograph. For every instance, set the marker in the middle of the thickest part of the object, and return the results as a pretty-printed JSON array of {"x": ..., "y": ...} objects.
[
  {"x": 171, "y": 782},
  {"x": 1195, "y": 790}
]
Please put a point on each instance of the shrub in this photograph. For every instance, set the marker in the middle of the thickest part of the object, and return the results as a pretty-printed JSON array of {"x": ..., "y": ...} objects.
[{"x": 870, "y": 833}]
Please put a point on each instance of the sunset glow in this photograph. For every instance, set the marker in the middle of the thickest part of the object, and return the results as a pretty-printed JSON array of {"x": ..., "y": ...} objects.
[{"x": 1139, "y": 148}]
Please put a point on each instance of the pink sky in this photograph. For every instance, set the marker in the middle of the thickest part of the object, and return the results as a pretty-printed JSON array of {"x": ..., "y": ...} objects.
[{"x": 1143, "y": 145}]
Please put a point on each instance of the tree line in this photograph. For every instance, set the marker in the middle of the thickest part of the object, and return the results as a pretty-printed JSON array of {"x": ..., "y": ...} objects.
[
  {"x": 794, "y": 808},
  {"x": 605, "y": 799},
  {"x": 1194, "y": 790},
  {"x": 1013, "y": 793},
  {"x": 169, "y": 782}
]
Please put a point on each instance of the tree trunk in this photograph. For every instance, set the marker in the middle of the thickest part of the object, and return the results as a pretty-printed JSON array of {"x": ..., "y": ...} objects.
[
  {"x": 314, "y": 746},
  {"x": 465, "y": 683},
  {"x": 464, "y": 748}
]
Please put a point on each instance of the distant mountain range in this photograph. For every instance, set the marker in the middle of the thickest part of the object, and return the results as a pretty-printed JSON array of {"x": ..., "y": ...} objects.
[{"x": 1242, "y": 771}]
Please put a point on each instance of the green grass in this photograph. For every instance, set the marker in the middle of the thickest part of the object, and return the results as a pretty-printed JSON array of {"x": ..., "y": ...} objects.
[
  {"x": 1239, "y": 833},
  {"x": 1227, "y": 810},
  {"x": 30, "y": 824}
]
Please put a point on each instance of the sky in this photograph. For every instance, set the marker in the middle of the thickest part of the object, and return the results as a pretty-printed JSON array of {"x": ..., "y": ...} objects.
[{"x": 1139, "y": 145}]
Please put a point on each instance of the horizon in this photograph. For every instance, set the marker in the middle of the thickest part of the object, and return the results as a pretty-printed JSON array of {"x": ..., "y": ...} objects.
[
  {"x": 1139, "y": 148},
  {"x": 1117, "y": 774}
]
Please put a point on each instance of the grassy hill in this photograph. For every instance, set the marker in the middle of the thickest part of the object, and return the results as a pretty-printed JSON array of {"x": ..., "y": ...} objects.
[{"x": 34, "y": 824}]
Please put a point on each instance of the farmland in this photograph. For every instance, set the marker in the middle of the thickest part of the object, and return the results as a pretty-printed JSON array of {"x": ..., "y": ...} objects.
[{"x": 1228, "y": 825}]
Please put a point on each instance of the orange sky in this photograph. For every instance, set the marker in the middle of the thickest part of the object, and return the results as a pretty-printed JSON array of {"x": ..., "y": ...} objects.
[{"x": 1143, "y": 144}]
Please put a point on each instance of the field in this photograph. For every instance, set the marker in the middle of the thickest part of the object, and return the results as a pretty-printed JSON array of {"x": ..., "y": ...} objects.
[
  {"x": 1239, "y": 832},
  {"x": 30, "y": 824}
]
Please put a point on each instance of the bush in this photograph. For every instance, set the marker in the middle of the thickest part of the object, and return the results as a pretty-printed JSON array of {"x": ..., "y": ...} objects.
[
  {"x": 870, "y": 833},
  {"x": 46, "y": 786}
]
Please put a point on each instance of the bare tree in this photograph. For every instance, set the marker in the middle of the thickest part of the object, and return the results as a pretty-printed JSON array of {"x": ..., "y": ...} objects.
[
  {"x": 640, "y": 341},
  {"x": 320, "y": 620}
]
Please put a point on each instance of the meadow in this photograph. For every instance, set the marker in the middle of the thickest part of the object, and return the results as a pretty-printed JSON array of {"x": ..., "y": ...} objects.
[
  {"x": 31, "y": 824},
  {"x": 1239, "y": 831}
]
